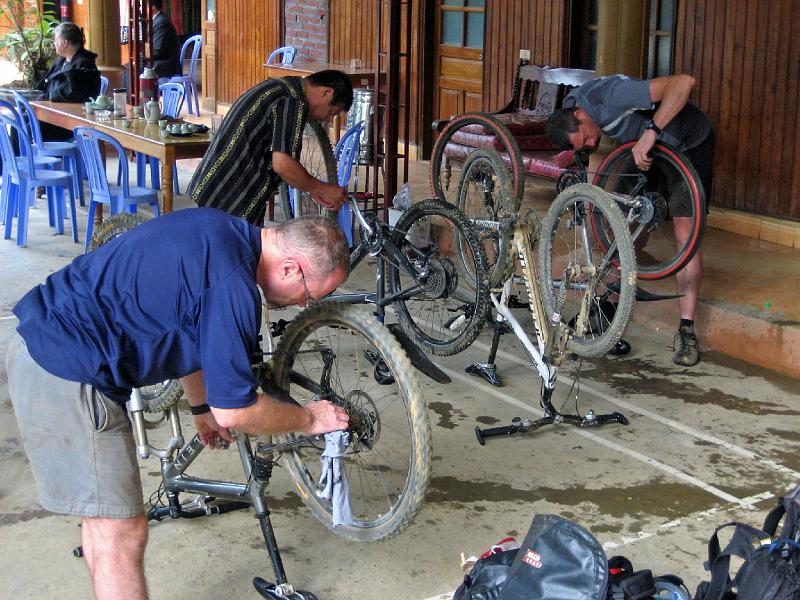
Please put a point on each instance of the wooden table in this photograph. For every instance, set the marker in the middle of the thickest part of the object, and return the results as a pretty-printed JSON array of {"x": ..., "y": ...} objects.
[{"x": 140, "y": 137}]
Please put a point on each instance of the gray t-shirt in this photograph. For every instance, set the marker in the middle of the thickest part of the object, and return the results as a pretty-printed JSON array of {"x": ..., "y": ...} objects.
[{"x": 621, "y": 106}]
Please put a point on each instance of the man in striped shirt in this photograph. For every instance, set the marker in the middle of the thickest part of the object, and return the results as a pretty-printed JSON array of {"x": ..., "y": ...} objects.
[{"x": 259, "y": 144}]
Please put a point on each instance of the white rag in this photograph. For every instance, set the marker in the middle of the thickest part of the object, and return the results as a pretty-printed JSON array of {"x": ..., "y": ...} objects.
[{"x": 334, "y": 477}]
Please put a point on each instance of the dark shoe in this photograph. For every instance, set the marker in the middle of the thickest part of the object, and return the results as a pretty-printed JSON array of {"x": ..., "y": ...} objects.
[
  {"x": 621, "y": 348},
  {"x": 687, "y": 353}
]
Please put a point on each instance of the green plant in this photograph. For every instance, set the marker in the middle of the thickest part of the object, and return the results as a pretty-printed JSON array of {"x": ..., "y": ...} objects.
[{"x": 29, "y": 43}]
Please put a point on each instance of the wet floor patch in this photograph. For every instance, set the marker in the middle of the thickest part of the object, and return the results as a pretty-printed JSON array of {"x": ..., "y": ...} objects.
[
  {"x": 27, "y": 515},
  {"x": 634, "y": 376},
  {"x": 446, "y": 414},
  {"x": 656, "y": 498}
]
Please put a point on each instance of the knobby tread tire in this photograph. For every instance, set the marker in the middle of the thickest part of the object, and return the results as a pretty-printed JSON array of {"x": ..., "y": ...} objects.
[
  {"x": 356, "y": 319},
  {"x": 698, "y": 199},
  {"x": 434, "y": 207},
  {"x": 501, "y": 269},
  {"x": 503, "y": 134},
  {"x": 625, "y": 261},
  {"x": 318, "y": 132}
]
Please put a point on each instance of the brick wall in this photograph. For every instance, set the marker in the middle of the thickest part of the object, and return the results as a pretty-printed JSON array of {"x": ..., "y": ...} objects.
[{"x": 307, "y": 28}]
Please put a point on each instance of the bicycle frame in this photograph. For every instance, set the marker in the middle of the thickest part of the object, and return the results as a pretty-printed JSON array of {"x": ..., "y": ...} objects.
[{"x": 548, "y": 348}]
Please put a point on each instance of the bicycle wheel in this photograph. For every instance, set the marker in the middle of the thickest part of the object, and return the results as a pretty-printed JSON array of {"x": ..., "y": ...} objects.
[
  {"x": 160, "y": 396},
  {"x": 484, "y": 196},
  {"x": 317, "y": 158},
  {"x": 329, "y": 351},
  {"x": 444, "y": 301},
  {"x": 443, "y": 177},
  {"x": 595, "y": 275},
  {"x": 670, "y": 187}
]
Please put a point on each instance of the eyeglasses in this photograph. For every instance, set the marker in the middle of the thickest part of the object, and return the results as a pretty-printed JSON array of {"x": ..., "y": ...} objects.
[{"x": 309, "y": 300}]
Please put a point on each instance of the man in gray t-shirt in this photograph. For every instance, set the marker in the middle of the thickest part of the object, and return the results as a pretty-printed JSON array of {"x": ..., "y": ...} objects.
[{"x": 627, "y": 109}]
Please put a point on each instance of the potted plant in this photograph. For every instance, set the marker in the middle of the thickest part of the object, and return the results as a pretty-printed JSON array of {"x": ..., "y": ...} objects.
[{"x": 29, "y": 43}]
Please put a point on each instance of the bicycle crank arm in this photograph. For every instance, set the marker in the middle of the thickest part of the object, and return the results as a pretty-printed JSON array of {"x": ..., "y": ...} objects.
[{"x": 518, "y": 426}]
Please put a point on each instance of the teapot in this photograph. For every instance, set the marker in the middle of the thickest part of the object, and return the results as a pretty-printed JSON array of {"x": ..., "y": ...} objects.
[
  {"x": 102, "y": 102},
  {"x": 152, "y": 111}
]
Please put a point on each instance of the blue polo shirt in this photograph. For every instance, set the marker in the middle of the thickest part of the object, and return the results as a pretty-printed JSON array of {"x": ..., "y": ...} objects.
[{"x": 172, "y": 296}]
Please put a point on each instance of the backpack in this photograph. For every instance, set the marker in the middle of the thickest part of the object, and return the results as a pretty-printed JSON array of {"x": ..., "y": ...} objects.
[
  {"x": 560, "y": 560},
  {"x": 770, "y": 571}
]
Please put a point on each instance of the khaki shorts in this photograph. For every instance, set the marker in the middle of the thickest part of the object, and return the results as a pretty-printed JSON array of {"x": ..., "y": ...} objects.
[{"x": 79, "y": 443}]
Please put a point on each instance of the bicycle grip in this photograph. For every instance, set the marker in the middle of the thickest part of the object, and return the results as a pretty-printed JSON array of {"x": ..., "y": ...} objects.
[{"x": 482, "y": 434}]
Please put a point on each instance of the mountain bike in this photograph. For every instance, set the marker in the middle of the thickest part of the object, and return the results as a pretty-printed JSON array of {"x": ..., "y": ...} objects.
[
  {"x": 565, "y": 287},
  {"x": 329, "y": 351}
]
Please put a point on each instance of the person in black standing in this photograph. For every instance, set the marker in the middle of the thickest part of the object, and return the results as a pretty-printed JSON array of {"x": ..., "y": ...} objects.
[{"x": 166, "y": 47}]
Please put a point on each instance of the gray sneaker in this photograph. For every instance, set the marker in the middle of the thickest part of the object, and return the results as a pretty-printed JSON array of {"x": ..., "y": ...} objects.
[{"x": 687, "y": 353}]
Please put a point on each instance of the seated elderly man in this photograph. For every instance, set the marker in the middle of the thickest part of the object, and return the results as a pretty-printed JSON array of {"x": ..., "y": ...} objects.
[{"x": 175, "y": 297}]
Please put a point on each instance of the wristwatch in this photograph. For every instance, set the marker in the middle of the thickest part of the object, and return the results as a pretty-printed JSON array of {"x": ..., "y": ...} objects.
[{"x": 652, "y": 125}]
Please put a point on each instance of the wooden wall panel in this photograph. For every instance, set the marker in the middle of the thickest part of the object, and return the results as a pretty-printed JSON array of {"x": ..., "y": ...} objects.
[
  {"x": 511, "y": 25},
  {"x": 353, "y": 28},
  {"x": 747, "y": 64},
  {"x": 247, "y": 31}
]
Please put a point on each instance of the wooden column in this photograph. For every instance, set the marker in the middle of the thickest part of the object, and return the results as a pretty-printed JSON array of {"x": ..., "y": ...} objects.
[
  {"x": 621, "y": 36},
  {"x": 102, "y": 34}
]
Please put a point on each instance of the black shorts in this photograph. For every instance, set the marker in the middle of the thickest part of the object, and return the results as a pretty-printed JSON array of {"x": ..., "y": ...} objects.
[{"x": 671, "y": 185}]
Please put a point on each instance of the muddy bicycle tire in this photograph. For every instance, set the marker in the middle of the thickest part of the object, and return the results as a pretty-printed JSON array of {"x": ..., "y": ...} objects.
[
  {"x": 562, "y": 240},
  {"x": 485, "y": 174},
  {"x": 428, "y": 317},
  {"x": 445, "y": 190},
  {"x": 319, "y": 162},
  {"x": 391, "y": 456},
  {"x": 158, "y": 397}
]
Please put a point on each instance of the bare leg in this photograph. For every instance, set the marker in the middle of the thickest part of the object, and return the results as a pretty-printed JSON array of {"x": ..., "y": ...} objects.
[
  {"x": 114, "y": 551},
  {"x": 690, "y": 276}
]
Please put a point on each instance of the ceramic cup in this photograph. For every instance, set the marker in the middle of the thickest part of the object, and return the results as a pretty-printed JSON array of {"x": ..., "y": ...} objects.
[
  {"x": 137, "y": 112},
  {"x": 162, "y": 124},
  {"x": 126, "y": 123},
  {"x": 163, "y": 133},
  {"x": 89, "y": 108}
]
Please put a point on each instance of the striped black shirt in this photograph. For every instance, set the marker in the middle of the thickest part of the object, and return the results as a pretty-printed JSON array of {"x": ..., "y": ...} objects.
[{"x": 236, "y": 172}]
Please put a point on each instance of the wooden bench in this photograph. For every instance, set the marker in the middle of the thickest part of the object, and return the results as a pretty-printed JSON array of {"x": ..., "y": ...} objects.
[{"x": 537, "y": 93}]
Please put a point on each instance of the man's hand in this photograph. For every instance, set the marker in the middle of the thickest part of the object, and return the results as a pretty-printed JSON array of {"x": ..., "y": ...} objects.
[
  {"x": 330, "y": 195},
  {"x": 642, "y": 148},
  {"x": 211, "y": 434},
  {"x": 325, "y": 416}
]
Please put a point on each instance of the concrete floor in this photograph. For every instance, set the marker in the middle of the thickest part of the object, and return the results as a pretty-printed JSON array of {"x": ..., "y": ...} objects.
[{"x": 705, "y": 446}]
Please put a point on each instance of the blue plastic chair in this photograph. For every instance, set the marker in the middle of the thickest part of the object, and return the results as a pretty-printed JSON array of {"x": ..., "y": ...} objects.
[
  {"x": 23, "y": 179},
  {"x": 189, "y": 80},
  {"x": 65, "y": 151},
  {"x": 346, "y": 154},
  {"x": 103, "y": 86},
  {"x": 172, "y": 95},
  {"x": 286, "y": 54},
  {"x": 119, "y": 197},
  {"x": 41, "y": 161}
]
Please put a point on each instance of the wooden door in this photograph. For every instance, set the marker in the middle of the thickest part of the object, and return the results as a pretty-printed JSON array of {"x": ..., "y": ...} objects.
[
  {"x": 459, "y": 60},
  {"x": 209, "y": 62}
]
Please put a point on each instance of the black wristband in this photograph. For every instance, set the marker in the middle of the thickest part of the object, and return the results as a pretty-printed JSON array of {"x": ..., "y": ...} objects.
[
  {"x": 652, "y": 125},
  {"x": 199, "y": 410}
]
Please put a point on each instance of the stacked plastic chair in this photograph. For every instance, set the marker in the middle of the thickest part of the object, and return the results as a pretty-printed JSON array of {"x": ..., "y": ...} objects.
[
  {"x": 189, "y": 80},
  {"x": 22, "y": 176}
]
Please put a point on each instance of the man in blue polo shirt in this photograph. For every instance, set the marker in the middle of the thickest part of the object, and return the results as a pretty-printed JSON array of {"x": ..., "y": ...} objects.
[
  {"x": 175, "y": 297},
  {"x": 627, "y": 109}
]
